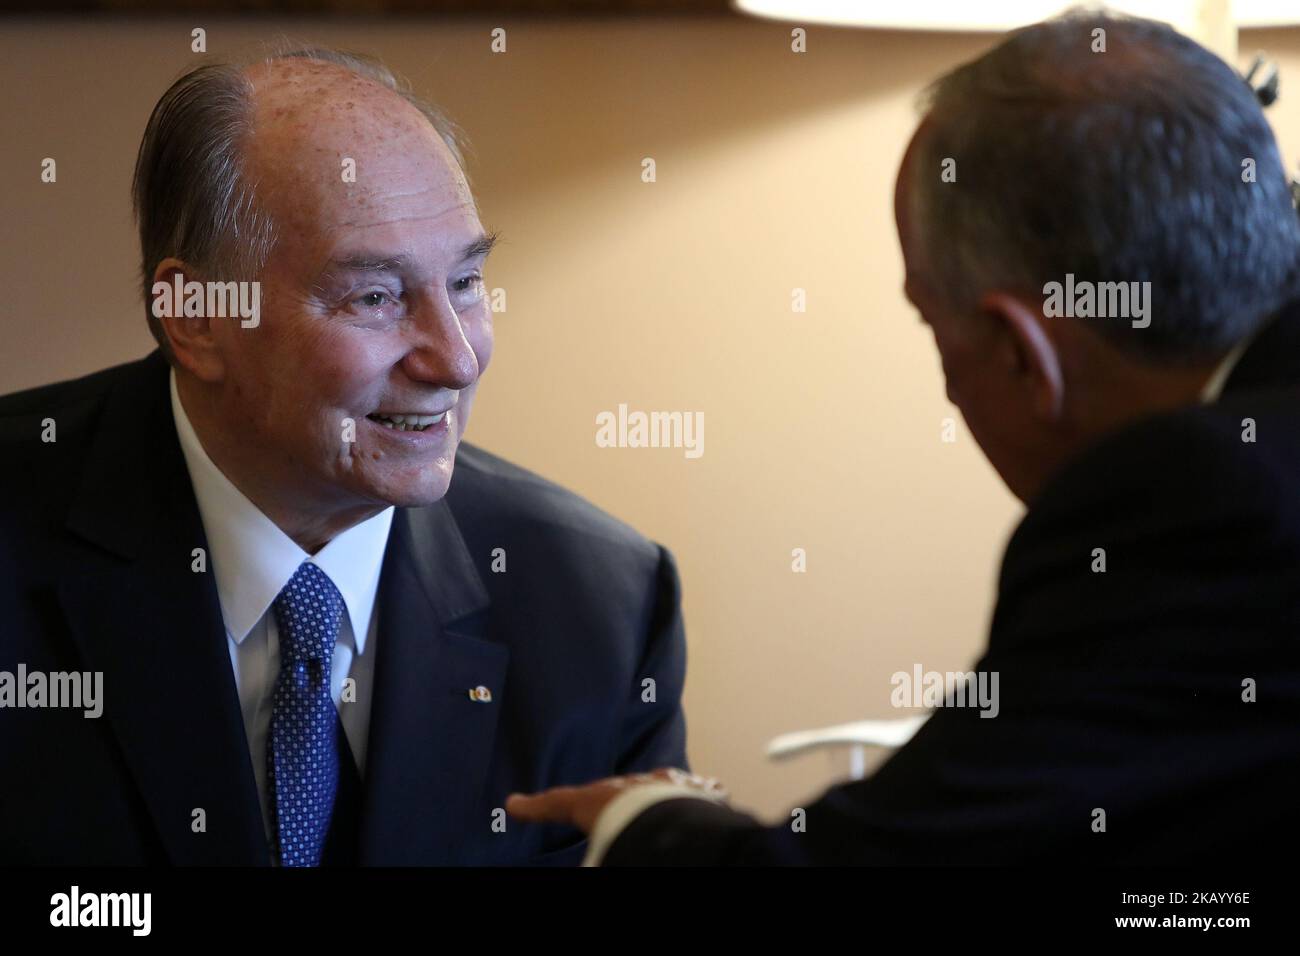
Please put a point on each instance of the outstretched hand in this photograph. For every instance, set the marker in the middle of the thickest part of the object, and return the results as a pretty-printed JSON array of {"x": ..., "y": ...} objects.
[{"x": 581, "y": 806}]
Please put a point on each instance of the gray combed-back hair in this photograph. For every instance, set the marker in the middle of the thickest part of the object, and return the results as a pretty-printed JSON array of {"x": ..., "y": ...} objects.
[
  {"x": 191, "y": 197},
  {"x": 1116, "y": 166}
]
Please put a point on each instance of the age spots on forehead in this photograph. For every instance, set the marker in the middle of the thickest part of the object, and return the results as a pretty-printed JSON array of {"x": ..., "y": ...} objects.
[
  {"x": 310, "y": 118},
  {"x": 332, "y": 105}
]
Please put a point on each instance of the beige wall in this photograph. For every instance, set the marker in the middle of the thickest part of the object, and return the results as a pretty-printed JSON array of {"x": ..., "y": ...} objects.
[{"x": 775, "y": 171}]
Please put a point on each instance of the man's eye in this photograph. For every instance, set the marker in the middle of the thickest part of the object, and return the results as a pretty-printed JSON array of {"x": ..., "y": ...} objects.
[
  {"x": 467, "y": 283},
  {"x": 372, "y": 300}
]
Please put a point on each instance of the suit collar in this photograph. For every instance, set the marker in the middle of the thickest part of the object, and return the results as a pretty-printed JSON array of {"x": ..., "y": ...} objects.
[
  {"x": 141, "y": 614},
  {"x": 129, "y": 484},
  {"x": 431, "y": 545},
  {"x": 1272, "y": 359},
  {"x": 430, "y": 740}
]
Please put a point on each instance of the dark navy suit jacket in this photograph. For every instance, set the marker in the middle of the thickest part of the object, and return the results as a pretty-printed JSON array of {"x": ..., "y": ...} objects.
[
  {"x": 1149, "y": 713},
  {"x": 97, "y": 532}
]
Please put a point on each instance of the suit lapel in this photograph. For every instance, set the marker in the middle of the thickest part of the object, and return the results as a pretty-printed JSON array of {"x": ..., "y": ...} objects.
[
  {"x": 138, "y": 613},
  {"x": 430, "y": 742}
]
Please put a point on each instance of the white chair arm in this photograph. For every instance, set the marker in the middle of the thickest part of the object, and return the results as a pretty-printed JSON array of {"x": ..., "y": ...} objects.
[{"x": 860, "y": 734}]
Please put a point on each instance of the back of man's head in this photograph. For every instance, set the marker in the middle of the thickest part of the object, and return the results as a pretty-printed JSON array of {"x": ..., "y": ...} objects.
[{"x": 1113, "y": 150}]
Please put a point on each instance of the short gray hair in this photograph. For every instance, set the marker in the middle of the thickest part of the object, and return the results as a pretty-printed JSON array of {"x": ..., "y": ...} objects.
[
  {"x": 1125, "y": 165},
  {"x": 191, "y": 196}
]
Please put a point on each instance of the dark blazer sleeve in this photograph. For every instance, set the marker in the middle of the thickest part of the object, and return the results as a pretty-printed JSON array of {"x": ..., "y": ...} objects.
[
  {"x": 654, "y": 729},
  {"x": 1119, "y": 691}
]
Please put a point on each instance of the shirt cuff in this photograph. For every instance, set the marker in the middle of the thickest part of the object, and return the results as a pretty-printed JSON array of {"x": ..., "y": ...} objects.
[{"x": 629, "y": 805}]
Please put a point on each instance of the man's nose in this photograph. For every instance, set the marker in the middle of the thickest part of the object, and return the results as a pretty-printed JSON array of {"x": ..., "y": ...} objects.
[{"x": 441, "y": 354}]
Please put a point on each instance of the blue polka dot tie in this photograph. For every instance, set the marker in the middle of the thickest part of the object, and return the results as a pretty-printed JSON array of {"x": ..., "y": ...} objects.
[{"x": 302, "y": 762}]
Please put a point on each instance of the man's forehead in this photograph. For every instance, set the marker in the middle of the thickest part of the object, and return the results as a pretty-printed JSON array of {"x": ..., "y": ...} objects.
[
  {"x": 432, "y": 223},
  {"x": 352, "y": 147},
  {"x": 436, "y": 208},
  {"x": 423, "y": 190},
  {"x": 291, "y": 75},
  {"x": 306, "y": 108},
  {"x": 906, "y": 188},
  {"x": 337, "y": 114},
  {"x": 907, "y": 166}
]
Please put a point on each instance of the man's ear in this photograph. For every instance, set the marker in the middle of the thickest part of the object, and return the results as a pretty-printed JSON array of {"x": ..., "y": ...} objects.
[
  {"x": 191, "y": 337},
  {"x": 1033, "y": 352}
]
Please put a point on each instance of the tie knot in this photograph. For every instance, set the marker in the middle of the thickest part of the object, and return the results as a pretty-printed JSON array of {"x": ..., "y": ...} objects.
[{"x": 308, "y": 613}]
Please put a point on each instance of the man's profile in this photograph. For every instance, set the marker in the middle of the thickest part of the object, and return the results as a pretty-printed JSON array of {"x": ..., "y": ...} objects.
[{"x": 1146, "y": 618}]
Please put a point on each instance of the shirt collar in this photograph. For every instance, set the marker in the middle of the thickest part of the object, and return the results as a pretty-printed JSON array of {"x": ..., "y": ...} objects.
[
  {"x": 252, "y": 559},
  {"x": 1214, "y": 387}
]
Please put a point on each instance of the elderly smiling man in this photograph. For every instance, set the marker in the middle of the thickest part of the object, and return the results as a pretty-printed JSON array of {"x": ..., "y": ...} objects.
[{"x": 317, "y": 644}]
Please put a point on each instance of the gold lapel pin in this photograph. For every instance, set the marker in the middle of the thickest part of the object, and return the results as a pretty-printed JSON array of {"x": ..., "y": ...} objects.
[{"x": 480, "y": 694}]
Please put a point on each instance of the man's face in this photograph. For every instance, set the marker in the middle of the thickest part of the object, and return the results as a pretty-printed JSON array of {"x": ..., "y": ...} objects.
[
  {"x": 979, "y": 359},
  {"x": 373, "y": 300}
]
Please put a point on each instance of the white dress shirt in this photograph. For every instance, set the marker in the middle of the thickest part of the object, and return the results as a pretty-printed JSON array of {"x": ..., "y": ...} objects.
[
  {"x": 252, "y": 560},
  {"x": 627, "y": 806}
]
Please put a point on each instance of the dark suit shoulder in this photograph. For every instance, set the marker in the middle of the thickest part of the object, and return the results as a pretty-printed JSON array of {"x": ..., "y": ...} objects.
[
  {"x": 69, "y": 412},
  {"x": 1177, "y": 516},
  {"x": 1235, "y": 457},
  {"x": 494, "y": 493},
  {"x": 72, "y": 404},
  {"x": 46, "y": 399}
]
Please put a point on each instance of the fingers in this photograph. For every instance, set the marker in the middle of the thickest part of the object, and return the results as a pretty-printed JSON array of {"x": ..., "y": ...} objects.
[
  {"x": 579, "y": 806},
  {"x": 709, "y": 785},
  {"x": 550, "y": 806}
]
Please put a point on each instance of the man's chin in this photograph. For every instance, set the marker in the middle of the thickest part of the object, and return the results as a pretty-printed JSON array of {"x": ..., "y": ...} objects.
[{"x": 417, "y": 494}]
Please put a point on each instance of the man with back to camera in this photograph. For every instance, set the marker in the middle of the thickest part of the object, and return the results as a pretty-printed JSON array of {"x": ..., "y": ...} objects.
[
  {"x": 315, "y": 646},
  {"x": 1148, "y": 612}
]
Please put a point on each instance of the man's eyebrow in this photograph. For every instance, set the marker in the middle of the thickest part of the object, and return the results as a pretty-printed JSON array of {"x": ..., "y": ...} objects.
[
  {"x": 480, "y": 246},
  {"x": 374, "y": 262},
  {"x": 365, "y": 262}
]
